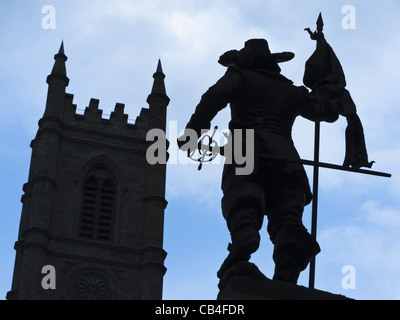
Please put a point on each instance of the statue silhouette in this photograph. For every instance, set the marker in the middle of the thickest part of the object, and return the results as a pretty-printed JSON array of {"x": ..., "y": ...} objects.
[{"x": 263, "y": 100}]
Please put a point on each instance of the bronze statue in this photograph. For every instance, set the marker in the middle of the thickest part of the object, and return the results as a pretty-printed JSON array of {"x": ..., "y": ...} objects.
[{"x": 263, "y": 100}]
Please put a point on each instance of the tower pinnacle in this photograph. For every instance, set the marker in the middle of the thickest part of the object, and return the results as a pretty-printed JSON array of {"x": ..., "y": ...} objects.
[
  {"x": 57, "y": 81},
  {"x": 61, "y": 51},
  {"x": 59, "y": 70},
  {"x": 159, "y": 67},
  {"x": 158, "y": 84}
]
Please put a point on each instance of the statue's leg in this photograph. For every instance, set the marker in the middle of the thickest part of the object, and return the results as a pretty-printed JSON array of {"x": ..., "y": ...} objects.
[
  {"x": 243, "y": 209},
  {"x": 293, "y": 245},
  {"x": 294, "y": 248}
]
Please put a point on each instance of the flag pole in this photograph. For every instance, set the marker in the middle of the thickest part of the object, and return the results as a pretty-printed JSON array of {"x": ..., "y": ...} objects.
[{"x": 311, "y": 283}]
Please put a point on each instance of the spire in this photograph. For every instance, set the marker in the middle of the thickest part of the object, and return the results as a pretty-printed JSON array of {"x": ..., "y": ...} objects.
[
  {"x": 61, "y": 51},
  {"x": 59, "y": 70},
  {"x": 57, "y": 81},
  {"x": 158, "y": 84},
  {"x": 159, "y": 67},
  {"x": 158, "y": 93}
]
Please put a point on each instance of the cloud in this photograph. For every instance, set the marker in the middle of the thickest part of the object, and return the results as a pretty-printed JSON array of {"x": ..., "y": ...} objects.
[
  {"x": 201, "y": 186},
  {"x": 385, "y": 217},
  {"x": 369, "y": 243}
]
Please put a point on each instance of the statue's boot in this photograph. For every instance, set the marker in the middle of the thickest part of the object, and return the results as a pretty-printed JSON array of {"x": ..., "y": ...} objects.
[
  {"x": 243, "y": 245},
  {"x": 294, "y": 249}
]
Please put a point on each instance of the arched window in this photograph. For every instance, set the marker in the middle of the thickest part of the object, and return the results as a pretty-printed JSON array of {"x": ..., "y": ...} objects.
[{"x": 97, "y": 217}]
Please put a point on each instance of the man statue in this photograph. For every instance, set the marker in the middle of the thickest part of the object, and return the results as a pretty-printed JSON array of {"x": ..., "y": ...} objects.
[{"x": 262, "y": 99}]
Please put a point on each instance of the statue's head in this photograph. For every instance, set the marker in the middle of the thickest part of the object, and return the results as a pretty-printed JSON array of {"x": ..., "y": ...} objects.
[{"x": 255, "y": 54}]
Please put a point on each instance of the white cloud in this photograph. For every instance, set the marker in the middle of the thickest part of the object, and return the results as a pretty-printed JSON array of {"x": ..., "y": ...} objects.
[
  {"x": 203, "y": 186},
  {"x": 386, "y": 217},
  {"x": 369, "y": 243}
]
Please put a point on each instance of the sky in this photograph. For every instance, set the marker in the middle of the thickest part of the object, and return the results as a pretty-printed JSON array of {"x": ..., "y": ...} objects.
[{"x": 113, "y": 48}]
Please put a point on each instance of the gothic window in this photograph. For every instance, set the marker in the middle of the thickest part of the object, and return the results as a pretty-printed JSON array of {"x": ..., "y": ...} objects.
[{"x": 98, "y": 206}]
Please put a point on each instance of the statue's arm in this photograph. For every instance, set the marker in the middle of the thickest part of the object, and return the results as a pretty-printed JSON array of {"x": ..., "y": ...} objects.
[
  {"x": 316, "y": 106},
  {"x": 215, "y": 99}
]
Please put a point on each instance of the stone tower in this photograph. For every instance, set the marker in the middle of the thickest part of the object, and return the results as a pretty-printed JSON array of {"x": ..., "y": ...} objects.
[{"x": 93, "y": 208}]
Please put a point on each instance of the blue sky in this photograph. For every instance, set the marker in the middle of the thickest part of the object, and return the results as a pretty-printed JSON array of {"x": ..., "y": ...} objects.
[{"x": 113, "y": 48}]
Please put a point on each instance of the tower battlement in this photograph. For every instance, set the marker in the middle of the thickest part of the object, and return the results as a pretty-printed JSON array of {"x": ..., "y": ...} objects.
[
  {"x": 93, "y": 118},
  {"x": 60, "y": 108}
]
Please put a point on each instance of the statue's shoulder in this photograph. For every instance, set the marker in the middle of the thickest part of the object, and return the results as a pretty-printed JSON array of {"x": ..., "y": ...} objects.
[{"x": 273, "y": 75}]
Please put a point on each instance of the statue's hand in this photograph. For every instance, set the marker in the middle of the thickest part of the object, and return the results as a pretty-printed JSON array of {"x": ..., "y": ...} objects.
[
  {"x": 314, "y": 35},
  {"x": 188, "y": 144},
  {"x": 309, "y": 32},
  {"x": 182, "y": 140}
]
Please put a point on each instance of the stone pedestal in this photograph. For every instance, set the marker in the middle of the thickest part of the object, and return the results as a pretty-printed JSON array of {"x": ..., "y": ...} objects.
[{"x": 246, "y": 288}]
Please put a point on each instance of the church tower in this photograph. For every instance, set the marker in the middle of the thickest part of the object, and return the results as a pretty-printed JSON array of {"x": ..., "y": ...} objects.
[{"x": 93, "y": 208}]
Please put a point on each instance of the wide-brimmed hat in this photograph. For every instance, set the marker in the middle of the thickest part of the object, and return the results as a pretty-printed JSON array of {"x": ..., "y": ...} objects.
[{"x": 256, "y": 52}]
